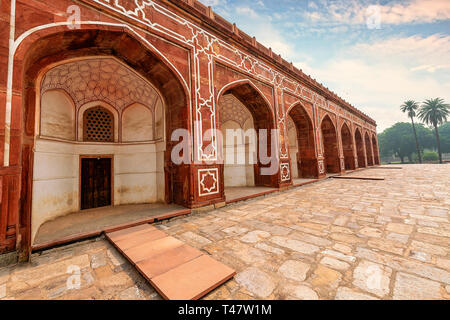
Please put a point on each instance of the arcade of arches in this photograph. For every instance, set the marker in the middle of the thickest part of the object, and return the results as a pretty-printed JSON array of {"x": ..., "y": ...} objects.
[{"x": 88, "y": 114}]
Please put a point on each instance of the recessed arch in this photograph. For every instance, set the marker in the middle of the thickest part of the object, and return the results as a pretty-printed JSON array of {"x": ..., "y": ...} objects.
[
  {"x": 375, "y": 150},
  {"x": 258, "y": 107},
  {"x": 305, "y": 156},
  {"x": 369, "y": 149},
  {"x": 347, "y": 147},
  {"x": 330, "y": 145},
  {"x": 57, "y": 115},
  {"x": 57, "y": 45},
  {"x": 80, "y": 116},
  {"x": 360, "y": 149}
]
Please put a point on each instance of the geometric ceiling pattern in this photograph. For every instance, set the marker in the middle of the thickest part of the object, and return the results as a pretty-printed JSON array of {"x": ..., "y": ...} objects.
[
  {"x": 230, "y": 108},
  {"x": 103, "y": 79}
]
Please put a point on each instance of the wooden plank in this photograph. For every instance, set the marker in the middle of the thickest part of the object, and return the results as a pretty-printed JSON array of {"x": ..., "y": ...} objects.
[{"x": 192, "y": 280}]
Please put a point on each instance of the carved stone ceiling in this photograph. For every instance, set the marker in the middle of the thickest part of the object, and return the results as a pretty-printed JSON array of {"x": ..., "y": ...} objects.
[{"x": 104, "y": 79}]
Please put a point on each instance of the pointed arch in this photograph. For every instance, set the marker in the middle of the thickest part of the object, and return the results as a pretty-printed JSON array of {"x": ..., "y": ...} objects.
[
  {"x": 359, "y": 144},
  {"x": 330, "y": 145},
  {"x": 305, "y": 158},
  {"x": 347, "y": 147},
  {"x": 50, "y": 46},
  {"x": 369, "y": 149},
  {"x": 375, "y": 150},
  {"x": 248, "y": 95}
]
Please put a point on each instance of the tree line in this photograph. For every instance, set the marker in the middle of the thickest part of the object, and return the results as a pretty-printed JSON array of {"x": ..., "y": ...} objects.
[{"x": 411, "y": 140}]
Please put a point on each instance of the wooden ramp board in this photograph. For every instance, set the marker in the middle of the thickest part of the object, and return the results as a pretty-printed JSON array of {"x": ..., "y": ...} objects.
[
  {"x": 176, "y": 270},
  {"x": 358, "y": 178}
]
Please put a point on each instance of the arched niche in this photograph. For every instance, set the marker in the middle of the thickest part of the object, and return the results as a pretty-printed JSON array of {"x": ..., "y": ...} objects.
[
  {"x": 137, "y": 124},
  {"x": 57, "y": 115}
]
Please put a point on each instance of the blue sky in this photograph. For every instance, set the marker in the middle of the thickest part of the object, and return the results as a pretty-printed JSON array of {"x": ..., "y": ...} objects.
[{"x": 374, "y": 54}]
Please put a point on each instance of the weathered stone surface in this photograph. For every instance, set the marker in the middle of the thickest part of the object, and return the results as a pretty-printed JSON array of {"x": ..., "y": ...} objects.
[
  {"x": 429, "y": 248},
  {"x": 371, "y": 232},
  {"x": 324, "y": 276},
  {"x": 339, "y": 255},
  {"x": 116, "y": 258},
  {"x": 343, "y": 248},
  {"x": 334, "y": 263},
  {"x": 403, "y": 238},
  {"x": 300, "y": 292},
  {"x": 400, "y": 228},
  {"x": 255, "y": 236},
  {"x": 132, "y": 293},
  {"x": 235, "y": 230},
  {"x": 116, "y": 280},
  {"x": 256, "y": 281},
  {"x": 268, "y": 248},
  {"x": 295, "y": 245},
  {"x": 294, "y": 270},
  {"x": 409, "y": 287},
  {"x": 385, "y": 245},
  {"x": 308, "y": 225},
  {"x": 2, "y": 291},
  {"x": 319, "y": 241},
  {"x": 372, "y": 277},
  {"x": 34, "y": 276},
  {"x": 443, "y": 263},
  {"x": 98, "y": 259},
  {"x": 344, "y": 293},
  {"x": 195, "y": 238}
]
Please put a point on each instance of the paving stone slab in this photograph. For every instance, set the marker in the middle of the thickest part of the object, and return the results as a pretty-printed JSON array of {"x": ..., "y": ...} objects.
[
  {"x": 176, "y": 270},
  {"x": 139, "y": 239},
  {"x": 121, "y": 234},
  {"x": 192, "y": 280},
  {"x": 153, "y": 267}
]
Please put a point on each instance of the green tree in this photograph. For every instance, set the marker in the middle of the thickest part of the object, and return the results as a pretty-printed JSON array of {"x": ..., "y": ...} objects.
[
  {"x": 399, "y": 140},
  {"x": 444, "y": 134},
  {"x": 430, "y": 156},
  {"x": 435, "y": 112},
  {"x": 410, "y": 108}
]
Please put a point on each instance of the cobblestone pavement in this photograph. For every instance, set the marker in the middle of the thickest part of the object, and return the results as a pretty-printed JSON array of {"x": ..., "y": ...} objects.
[{"x": 336, "y": 239}]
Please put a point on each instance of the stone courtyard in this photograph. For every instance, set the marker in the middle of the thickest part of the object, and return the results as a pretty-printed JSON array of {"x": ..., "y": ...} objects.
[{"x": 334, "y": 239}]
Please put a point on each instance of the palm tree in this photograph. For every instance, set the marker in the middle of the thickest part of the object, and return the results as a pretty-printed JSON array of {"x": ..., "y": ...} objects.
[
  {"x": 410, "y": 107},
  {"x": 435, "y": 112}
]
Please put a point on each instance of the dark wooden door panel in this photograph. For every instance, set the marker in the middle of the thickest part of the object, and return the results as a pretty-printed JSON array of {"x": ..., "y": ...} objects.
[{"x": 95, "y": 183}]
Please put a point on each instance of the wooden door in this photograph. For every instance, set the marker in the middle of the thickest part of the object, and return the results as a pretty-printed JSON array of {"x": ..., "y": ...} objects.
[{"x": 95, "y": 182}]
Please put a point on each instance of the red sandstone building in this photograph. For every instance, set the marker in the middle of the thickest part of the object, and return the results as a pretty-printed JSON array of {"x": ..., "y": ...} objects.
[{"x": 92, "y": 90}]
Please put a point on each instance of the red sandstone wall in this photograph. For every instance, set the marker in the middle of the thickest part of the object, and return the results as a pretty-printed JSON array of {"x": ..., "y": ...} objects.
[{"x": 207, "y": 53}]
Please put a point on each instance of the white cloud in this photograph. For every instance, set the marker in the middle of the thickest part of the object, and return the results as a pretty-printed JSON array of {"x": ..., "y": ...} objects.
[
  {"x": 377, "y": 77},
  {"x": 355, "y": 12},
  {"x": 247, "y": 11},
  {"x": 261, "y": 27},
  {"x": 212, "y": 2}
]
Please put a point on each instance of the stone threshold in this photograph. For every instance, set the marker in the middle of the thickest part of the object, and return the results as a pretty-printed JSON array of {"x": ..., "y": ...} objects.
[{"x": 97, "y": 233}]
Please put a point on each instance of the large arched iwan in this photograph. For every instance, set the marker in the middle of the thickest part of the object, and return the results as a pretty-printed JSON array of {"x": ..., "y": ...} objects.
[
  {"x": 306, "y": 157},
  {"x": 65, "y": 45},
  {"x": 330, "y": 144}
]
